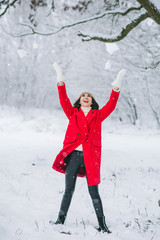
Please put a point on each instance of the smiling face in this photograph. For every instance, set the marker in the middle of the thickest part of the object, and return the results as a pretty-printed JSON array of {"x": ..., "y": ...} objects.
[{"x": 86, "y": 99}]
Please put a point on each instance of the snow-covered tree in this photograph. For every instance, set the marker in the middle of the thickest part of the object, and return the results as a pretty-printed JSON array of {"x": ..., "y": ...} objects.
[{"x": 36, "y": 33}]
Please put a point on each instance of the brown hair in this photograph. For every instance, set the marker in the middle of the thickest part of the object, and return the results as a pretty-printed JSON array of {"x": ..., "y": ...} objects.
[{"x": 94, "y": 104}]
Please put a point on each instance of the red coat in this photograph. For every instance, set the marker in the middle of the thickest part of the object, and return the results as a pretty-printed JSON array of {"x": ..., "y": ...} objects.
[{"x": 86, "y": 131}]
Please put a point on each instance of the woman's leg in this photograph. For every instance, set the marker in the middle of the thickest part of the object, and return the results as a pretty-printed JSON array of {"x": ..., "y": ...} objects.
[
  {"x": 97, "y": 203},
  {"x": 72, "y": 168},
  {"x": 96, "y": 200}
]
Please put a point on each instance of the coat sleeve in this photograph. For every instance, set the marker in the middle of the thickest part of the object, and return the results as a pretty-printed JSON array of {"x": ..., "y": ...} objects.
[
  {"x": 64, "y": 101},
  {"x": 110, "y": 105}
]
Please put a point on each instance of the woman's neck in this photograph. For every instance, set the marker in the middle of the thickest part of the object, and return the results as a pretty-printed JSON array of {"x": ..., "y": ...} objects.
[{"x": 86, "y": 110}]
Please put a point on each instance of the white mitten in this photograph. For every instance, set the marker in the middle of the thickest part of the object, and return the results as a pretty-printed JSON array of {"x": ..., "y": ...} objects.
[
  {"x": 119, "y": 78},
  {"x": 58, "y": 71}
]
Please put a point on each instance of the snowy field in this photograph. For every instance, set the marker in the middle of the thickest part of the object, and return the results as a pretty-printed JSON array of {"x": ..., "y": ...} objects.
[{"x": 31, "y": 191}]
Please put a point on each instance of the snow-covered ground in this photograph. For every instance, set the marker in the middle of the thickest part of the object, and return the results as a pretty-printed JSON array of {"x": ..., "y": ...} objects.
[{"x": 31, "y": 191}]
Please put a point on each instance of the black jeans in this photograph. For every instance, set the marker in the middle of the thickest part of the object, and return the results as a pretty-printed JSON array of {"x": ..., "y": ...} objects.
[{"x": 73, "y": 163}]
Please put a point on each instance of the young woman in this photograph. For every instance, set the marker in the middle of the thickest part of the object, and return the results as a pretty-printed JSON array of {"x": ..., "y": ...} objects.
[{"x": 81, "y": 153}]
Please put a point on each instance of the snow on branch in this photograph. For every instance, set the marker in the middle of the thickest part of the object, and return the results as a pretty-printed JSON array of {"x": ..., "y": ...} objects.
[
  {"x": 7, "y": 7},
  {"x": 127, "y": 11},
  {"x": 1, "y": 2},
  {"x": 33, "y": 31},
  {"x": 153, "y": 66},
  {"x": 118, "y": 37},
  {"x": 152, "y": 9}
]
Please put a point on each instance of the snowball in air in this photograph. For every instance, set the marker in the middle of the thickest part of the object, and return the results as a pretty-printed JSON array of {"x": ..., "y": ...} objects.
[
  {"x": 21, "y": 53},
  {"x": 35, "y": 45},
  {"x": 111, "y": 47},
  {"x": 108, "y": 65}
]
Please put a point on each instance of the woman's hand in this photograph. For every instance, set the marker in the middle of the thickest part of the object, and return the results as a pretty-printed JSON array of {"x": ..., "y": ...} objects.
[
  {"x": 116, "y": 89},
  {"x": 117, "y": 83},
  {"x": 59, "y": 74},
  {"x": 60, "y": 83}
]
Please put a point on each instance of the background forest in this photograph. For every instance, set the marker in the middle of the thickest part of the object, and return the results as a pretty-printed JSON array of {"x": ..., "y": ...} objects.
[{"x": 91, "y": 40}]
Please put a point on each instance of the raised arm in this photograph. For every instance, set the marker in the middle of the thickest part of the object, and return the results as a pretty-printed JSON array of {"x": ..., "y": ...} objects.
[
  {"x": 64, "y": 100},
  {"x": 111, "y": 104}
]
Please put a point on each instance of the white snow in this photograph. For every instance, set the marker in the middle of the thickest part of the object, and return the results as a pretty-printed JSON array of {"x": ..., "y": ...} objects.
[
  {"x": 31, "y": 191},
  {"x": 149, "y": 22},
  {"x": 111, "y": 48},
  {"x": 156, "y": 3}
]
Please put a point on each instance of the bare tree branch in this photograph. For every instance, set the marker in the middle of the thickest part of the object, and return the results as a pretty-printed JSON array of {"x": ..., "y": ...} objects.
[
  {"x": 119, "y": 37},
  {"x": 7, "y": 7},
  {"x": 1, "y": 2},
  {"x": 60, "y": 29},
  {"x": 33, "y": 31},
  {"x": 152, "y": 108},
  {"x": 53, "y": 5},
  {"x": 154, "y": 65},
  {"x": 122, "y": 34},
  {"x": 127, "y": 11},
  {"x": 151, "y": 9},
  {"x": 144, "y": 67}
]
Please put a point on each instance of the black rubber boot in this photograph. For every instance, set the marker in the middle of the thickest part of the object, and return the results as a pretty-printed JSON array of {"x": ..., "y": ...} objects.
[
  {"x": 60, "y": 219},
  {"x": 102, "y": 225}
]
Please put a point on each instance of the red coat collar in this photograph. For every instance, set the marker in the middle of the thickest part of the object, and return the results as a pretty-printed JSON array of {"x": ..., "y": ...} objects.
[{"x": 91, "y": 114}]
